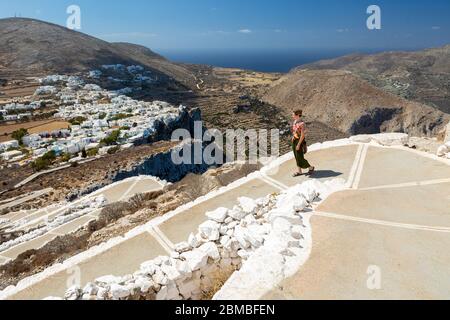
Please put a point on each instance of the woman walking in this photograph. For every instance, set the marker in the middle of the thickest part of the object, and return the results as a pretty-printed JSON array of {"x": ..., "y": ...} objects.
[{"x": 299, "y": 145}]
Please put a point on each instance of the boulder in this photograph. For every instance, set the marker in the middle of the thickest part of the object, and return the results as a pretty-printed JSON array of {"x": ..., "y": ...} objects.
[
  {"x": 218, "y": 215},
  {"x": 144, "y": 284},
  {"x": 210, "y": 230},
  {"x": 193, "y": 241},
  {"x": 237, "y": 214},
  {"x": 171, "y": 273},
  {"x": 247, "y": 204},
  {"x": 182, "y": 247},
  {"x": 196, "y": 259},
  {"x": 119, "y": 292},
  {"x": 73, "y": 293},
  {"x": 210, "y": 248},
  {"x": 160, "y": 278},
  {"x": 107, "y": 280},
  {"x": 90, "y": 289},
  {"x": 148, "y": 268}
]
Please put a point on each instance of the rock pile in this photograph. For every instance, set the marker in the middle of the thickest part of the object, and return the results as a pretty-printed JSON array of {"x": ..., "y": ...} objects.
[{"x": 222, "y": 245}]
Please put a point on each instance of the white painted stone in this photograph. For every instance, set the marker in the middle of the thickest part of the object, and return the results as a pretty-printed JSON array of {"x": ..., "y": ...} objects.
[
  {"x": 239, "y": 235},
  {"x": 107, "y": 280},
  {"x": 171, "y": 273},
  {"x": 211, "y": 250},
  {"x": 294, "y": 244},
  {"x": 119, "y": 292},
  {"x": 196, "y": 259},
  {"x": 223, "y": 230},
  {"x": 224, "y": 240},
  {"x": 296, "y": 232},
  {"x": 210, "y": 230},
  {"x": 149, "y": 267},
  {"x": 102, "y": 293},
  {"x": 218, "y": 215},
  {"x": 90, "y": 289},
  {"x": 160, "y": 260},
  {"x": 144, "y": 284},
  {"x": 73, "y": 293},
  {"x": 233, "y": 224},
  {"x": 237, "y": 213},
  {"x": 193, "y": 241},
  {"x": 243, "y": 254},
  {"x": 228, "y": 220},
  {"x": 182, "y": 247},
  {"x": 247, "y": 204},
  {"x": 160, "y": 278}
]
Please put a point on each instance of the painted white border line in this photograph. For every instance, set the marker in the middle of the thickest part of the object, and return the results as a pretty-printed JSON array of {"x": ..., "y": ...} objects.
[
  {"x": 161, "y": 242},
  {"x": 354, "y": 169},
  {"x": 360, "y": 166},
  {"x": 382, "y": 222},
  {"x": 408, "y": 184}
]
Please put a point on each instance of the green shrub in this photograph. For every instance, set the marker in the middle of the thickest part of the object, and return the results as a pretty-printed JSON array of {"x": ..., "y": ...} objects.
[
  {"x": 44, "y": 162},
  {"x": 121, "y": 116},
  {"x": 65, "y": 157},
  {"x": 112, "y": 139},
  {"x": 77, "y": 121},
  {"x": 19, "y": 134},
  {"x": 114, "y": 150},
  {"x": 92, "y": 152}
]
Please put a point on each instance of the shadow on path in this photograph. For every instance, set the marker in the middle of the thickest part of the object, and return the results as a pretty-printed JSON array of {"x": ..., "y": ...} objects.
[{"x": 321, "y": 174}]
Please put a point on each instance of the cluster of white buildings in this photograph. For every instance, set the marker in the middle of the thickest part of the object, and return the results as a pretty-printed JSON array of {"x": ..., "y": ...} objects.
[
  {"x": 100, "y": 112},
  {"x": 16, "y": 111}
]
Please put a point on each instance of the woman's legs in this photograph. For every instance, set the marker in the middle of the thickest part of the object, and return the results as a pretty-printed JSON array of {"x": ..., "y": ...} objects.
[{"x": 302, "y": 163}]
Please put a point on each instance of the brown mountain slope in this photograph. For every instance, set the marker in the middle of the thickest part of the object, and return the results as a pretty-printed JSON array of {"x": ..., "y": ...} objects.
[
  {"x": 348, "y": 103},
  {"x": 423, "y": 76},
  {"x": 30, "y": 47}
]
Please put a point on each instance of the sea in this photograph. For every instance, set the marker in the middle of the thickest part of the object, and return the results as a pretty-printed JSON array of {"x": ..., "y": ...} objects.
[{"x": 264, "y": 60}]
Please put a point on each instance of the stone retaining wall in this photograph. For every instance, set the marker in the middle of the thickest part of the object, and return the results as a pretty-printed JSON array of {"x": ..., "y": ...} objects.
[{"x": 222, "y": 245}]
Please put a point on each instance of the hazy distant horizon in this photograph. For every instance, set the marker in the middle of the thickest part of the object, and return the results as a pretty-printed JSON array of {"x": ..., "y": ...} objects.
[{"x": 264, "y": 60}]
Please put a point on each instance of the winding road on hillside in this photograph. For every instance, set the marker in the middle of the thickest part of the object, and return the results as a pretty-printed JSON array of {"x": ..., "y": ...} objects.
[{"x": 385, "y": 236}]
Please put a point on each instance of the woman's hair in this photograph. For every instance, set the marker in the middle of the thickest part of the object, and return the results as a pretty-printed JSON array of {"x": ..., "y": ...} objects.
[{"x": 298, "y": 113}]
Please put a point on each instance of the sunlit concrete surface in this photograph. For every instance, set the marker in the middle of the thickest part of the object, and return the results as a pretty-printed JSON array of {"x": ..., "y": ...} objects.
[
  {"x": 385, "y": 166},
  {"x": 122, "y": 259},
  {"x": 36, "y": 243},
  {"x": 118, "y": 192},
  {"x": 386, "y": 239}
]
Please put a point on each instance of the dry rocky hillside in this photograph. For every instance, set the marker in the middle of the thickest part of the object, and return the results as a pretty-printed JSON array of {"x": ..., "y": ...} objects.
[
  {"x": 36, "y": 48},
  {"x": 346, "y": 102},
  {"x": 423, "y": 76}
]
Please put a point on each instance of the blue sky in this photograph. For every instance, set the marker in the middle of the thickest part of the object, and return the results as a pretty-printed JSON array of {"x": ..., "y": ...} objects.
[{"x": 251, "y": 24}]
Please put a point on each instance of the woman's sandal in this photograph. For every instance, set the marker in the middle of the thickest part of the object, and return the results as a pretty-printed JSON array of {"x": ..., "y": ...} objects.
[
  {"x": 297, "y": 174},
  {"x": 310, "y": 172}
]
